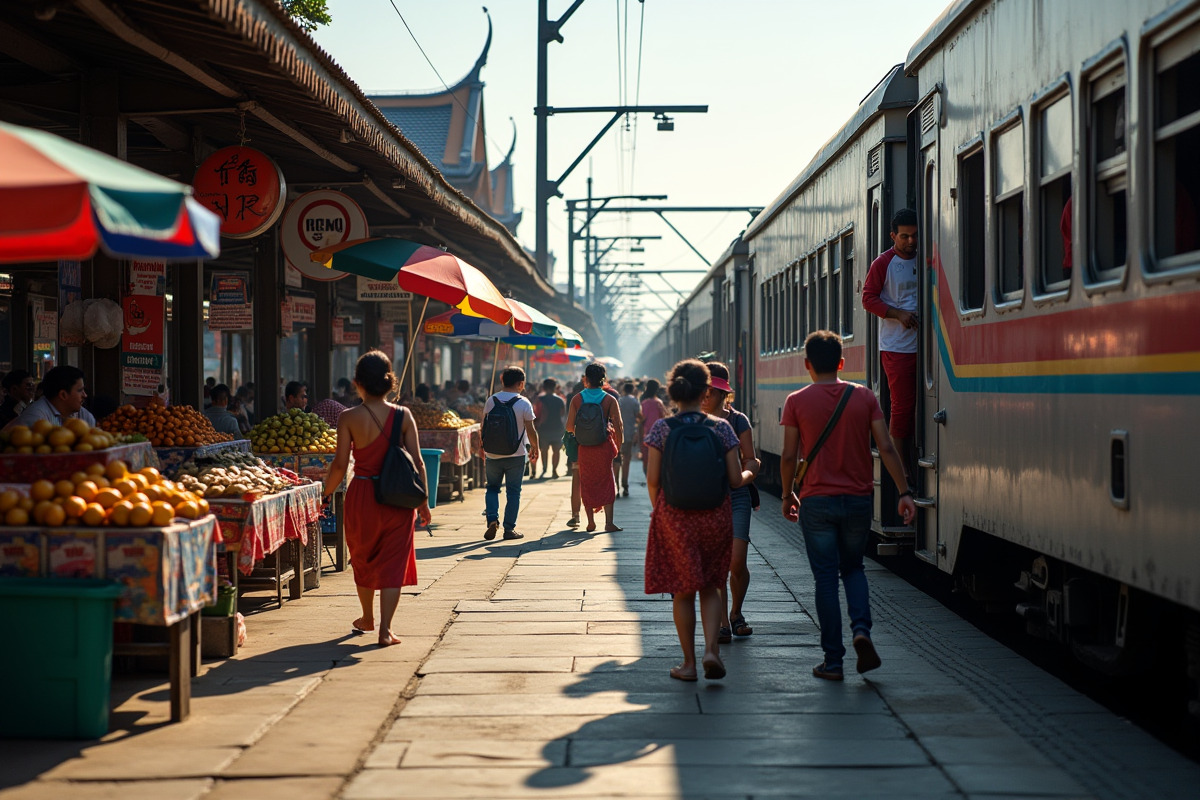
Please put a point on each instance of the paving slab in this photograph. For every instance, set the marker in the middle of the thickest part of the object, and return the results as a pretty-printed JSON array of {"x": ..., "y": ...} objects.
[
  {"x": 523, "y": 705},
  {"x": 192, "y": 789},
  {"x": 275, "y": 789}
]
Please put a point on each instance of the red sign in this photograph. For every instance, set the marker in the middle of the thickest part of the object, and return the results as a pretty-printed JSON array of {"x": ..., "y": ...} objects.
[{"x": 244, "y": 187}]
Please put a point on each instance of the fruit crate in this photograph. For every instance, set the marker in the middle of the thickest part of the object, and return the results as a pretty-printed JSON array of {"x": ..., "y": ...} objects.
[
  {"x": 27, "y": 468},
  {"x": 170, "y": 459}
]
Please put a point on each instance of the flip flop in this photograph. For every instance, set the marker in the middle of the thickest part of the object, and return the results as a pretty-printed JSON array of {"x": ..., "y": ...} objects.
[
  {"x": 714, "y": 670},
  {"x": 357, "y": 631},
  {"x": 678, "y": 674}
]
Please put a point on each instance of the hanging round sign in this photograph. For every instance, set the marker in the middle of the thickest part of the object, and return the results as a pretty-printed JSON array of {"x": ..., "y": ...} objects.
[
  {"x": 244, "y": 187},
  {"x": 320, "y": 219}
]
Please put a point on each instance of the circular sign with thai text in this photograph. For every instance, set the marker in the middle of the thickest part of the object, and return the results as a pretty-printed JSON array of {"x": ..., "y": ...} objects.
[
  {"x": 244, "y": 187},
  {"x": 320, "y": 219}
]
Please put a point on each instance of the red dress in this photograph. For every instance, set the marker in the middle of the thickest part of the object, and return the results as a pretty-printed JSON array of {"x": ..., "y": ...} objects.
[
  {"x": 597, "y": 486},
  {"x": 687, "y": 551},
  {"x": 380, "y": 537}
]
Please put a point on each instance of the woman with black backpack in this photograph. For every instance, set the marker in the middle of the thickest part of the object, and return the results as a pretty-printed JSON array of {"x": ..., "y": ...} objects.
[
  {"x": 595, "y": 420},
  {"x": 693, "y": 462}
]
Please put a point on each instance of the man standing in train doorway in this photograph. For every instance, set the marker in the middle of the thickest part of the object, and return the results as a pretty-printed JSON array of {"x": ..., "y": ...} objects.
[{"x": 890, "y": 293}]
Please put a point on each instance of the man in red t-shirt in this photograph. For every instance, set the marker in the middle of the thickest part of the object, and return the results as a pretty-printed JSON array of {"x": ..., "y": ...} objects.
[{"x": 834, "y": 506}]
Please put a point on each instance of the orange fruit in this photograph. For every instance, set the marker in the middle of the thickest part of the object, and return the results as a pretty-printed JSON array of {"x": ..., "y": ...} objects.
[
  {"x": 119, "y": 513},
  {"x": 53, "y": 516},
  {"x": 9, "y": 499},
  {"x": 95, "y": 469},
  {"x": 77, "y": 426},
  {"x": 163, "y": 514},
  {"x": 62, "y": 448},
  {"x": 138, "y": 497},
  {"x": 26, "y": 504},
  {"x": 84, "y": 447},
  {"x": 42, "y": 449},
  {"x": 61, "y": 436},
  {"x": 39, "y": 510},
  {"x": 202, "y": 504},
  {"x": 21, "y": 436},
  {"x": 138, "y": 479},
  {"x": 116, "y": 470},
  {"x": 87, "y": 490},
  {"x": 125, "y": 486},
  {"x": 16, "y": 516},
  {"x": 108, "y": 498},
  {"x": 42, "y": 490},
  {"x": 188, "y": 509},
  {"x": 79, "y": 476},
  {"x": 74, "y": 506},
  {"x": 101, "y": 481},
  {"x": 151, "y": 474},
  {"x": 140, "y": 515},
  {"x": 64, "y": 488},
  {"x": 93, "y": 515},
  {"x": 43, "y": 426}
]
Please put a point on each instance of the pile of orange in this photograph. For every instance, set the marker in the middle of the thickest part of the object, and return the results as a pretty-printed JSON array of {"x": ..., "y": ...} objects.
[
  {"x": 46, "y": 437},
  {"x": 102, "y": 495},
  {"x": 177, "y": 426}
]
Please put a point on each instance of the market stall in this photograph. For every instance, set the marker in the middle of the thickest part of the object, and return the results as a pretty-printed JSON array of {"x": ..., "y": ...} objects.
[{"x": 460, "y": 447}]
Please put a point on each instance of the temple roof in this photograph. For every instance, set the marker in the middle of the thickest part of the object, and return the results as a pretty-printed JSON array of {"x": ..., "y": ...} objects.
[{"x": 449, "y": 129}]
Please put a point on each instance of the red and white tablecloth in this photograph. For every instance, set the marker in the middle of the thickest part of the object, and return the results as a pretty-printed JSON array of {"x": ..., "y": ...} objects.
[
  {"x": 457, "y": 445},
  {"x": 259, "y": 527}
]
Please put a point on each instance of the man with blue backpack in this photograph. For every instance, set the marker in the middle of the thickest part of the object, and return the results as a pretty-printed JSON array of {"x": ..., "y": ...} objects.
[{"x": 507, "y": 428}]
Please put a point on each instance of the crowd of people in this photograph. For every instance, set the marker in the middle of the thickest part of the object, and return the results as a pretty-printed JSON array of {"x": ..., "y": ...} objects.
[{"x": 699, "y": 465}]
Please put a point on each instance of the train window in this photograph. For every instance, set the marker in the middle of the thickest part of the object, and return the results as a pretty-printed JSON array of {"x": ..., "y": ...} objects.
[
  {"x": 813, "y": 278},
  {"x": 1176, "y": 174},
  {"x": 777, "y": 306},
  {"x": 1008, "y": 159},
  {"x": 802, "y": 269},
  {"x": 823, "y": 289},
  {"x": 762, "y": 304},
  {"x": 972, "y": 215},
  {"x": 835, "y": 281},
  {"x": 1054, "y": 138},
  {"x": 1108, "y": 170},
  {"x": 848, "y": 285},
  {"x": 798, "y": 304}
]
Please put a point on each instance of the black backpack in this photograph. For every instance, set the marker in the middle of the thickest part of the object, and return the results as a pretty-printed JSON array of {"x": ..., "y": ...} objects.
[
  {"x": 501, "y": 434},
  {"x": 591, "y": 426},
  {"x": 693, "y": 465}
]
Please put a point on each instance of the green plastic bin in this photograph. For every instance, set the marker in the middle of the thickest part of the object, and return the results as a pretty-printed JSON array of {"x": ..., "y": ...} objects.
[
  {"x": 63, "y": 630},
  {"x": 433, "y": 470}
]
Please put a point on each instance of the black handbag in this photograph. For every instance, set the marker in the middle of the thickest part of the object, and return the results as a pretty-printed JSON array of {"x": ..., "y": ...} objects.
[{"x": 398, "y": 483}]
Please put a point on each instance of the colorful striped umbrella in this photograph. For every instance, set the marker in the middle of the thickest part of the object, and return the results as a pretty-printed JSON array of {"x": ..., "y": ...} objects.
[
  {"x": 61, "y": 200},
  {"x": 420, "y": 269},
  {"x": 570, "y": 355}
]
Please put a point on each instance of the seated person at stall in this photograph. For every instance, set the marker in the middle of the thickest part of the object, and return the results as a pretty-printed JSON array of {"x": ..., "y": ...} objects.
[
  {"x": 62, "y": 397},
  {"x": 19, "y": 388},
  {"x": 218, "y": 412},
  {"x": 295, "y": 395}
]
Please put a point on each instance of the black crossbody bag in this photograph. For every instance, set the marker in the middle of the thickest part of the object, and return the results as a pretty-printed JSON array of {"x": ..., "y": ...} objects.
[
  {"x": 802, "y": 466},
  {"x": 398, "y": 483}
]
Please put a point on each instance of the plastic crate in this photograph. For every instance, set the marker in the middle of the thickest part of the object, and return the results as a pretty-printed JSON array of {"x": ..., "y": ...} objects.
[{"x": 62, "y": 627}]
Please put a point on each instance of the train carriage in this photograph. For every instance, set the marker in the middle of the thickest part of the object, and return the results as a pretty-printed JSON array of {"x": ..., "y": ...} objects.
[{"x": 1049, "y": 149}]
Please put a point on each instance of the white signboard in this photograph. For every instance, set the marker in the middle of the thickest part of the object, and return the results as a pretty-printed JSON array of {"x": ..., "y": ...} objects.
[
  {"x": 369, "y": 289},
  {"x": 320, "y": 219}
]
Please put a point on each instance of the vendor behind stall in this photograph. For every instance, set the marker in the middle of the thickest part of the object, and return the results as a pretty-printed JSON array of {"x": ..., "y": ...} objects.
[
  {"x": 62, "y": 397},
  {"x": 295, "y": 395},
  {"x": 19, "y": 389},
  {"x": 218, "y": 413}
]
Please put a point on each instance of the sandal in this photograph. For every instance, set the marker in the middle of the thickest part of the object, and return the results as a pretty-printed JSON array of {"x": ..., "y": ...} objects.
[
  {"x": 738, "y": 626},
  {"x": 724, "y": 635},
  {"x": 829, "y": 674},
  {"x": 573, "y": 522}
]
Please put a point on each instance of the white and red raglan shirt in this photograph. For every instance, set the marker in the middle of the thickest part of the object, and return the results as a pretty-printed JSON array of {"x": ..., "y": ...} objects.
[{"x": 892, "y": 282}]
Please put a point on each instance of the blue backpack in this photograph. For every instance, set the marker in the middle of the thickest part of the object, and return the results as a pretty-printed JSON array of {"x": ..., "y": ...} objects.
[
  {"x": 500, "y": 433},
  {"x": 693, "y": 465}
]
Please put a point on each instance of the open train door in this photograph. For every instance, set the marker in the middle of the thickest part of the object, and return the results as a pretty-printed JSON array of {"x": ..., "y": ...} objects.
[{"x": 923, "y": 129}]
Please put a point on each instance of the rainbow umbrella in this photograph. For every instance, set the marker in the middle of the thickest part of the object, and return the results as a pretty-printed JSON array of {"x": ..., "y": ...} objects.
[
  {"x": 569, "y": 355},
  {"x": 59, "y": 199}
]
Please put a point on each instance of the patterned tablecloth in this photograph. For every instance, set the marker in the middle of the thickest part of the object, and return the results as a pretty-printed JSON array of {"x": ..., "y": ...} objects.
[
  {"x": 27, "y": 468},
  {"x": 167, "y": 573},
  {"x": 457, "y": 445},
  {"x": 255, "y": 528}
]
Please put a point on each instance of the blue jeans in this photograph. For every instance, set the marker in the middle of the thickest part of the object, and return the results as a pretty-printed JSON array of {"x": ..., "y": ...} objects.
[
  {"x": 835, "y": 536},
  {"x": 510, "y": 470}
]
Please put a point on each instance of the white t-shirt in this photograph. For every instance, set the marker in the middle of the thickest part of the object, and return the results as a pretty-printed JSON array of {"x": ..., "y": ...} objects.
[
  {"x": 899, "y": 291},
  {"x": 523, "y": 410}
]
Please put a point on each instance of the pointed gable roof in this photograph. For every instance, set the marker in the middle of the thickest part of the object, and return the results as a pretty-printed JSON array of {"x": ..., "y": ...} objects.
[{"x": 448, "y": 127}]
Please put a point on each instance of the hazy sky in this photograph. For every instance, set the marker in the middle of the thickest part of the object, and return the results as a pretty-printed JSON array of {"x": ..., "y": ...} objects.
[{"x": 780, "y": 77}]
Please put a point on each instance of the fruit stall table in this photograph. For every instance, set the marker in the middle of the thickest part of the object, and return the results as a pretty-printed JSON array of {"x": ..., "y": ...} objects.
[
  {"x": 458, "y": 446},
  {"x": 170, "y": 459},
  {"x": 315, "y": 466},
  {"x": 26, "y": 468},
  {"x": 167, "y": 575},
  {"x": 253, "y": 529}
]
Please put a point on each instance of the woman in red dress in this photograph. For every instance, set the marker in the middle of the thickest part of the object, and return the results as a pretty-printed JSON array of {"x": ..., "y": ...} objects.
[
  {"x": 598, "y": 486},
  {"x": 688, "y": 551},
  {"x": 380, "y": 537}
]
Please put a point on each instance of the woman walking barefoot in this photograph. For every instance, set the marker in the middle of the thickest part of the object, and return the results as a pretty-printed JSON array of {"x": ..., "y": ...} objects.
[
  {"x": 715, "y": 403},
  {"x": 380, "y": 537},
  {"x": 687, "y": 551},
  {"x": 597, "y": 485}
]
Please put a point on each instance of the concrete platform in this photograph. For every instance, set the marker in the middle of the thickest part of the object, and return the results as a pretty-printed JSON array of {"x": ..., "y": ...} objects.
[{"x": 538, "y": 668}]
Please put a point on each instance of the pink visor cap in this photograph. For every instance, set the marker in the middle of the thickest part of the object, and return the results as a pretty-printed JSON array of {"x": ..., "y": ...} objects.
[{"x": 720, "y": 384}]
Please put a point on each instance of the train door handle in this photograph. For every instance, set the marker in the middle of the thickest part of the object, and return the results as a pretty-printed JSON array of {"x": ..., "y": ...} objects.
[{"x": 940, "y": 417}]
